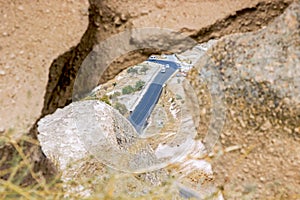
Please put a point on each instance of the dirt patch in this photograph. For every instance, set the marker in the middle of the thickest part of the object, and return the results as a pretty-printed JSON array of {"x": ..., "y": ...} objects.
[{"x": 32, "y": 35}]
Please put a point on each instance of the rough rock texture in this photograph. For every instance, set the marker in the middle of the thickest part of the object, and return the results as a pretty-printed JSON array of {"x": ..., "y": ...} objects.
[
  {"x": 84, "y": 135},
  {"x": 104, "y": 53},
  {"x": 259, "y": 74},
  {"x": 108, "y": 17},
  {"x": 66, "y": 134},
  {"x": 261, "y": 69}
]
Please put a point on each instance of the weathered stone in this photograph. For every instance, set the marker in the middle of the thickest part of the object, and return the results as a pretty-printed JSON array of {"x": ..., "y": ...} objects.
[
  {"x": 259, "y": 70},
  {"x": 86, "y": 138}
]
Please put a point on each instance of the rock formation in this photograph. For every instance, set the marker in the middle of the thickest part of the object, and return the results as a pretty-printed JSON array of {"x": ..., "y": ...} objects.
[
  {"x": 89, "y": 139},
  {"x": 260, "y": 70}
]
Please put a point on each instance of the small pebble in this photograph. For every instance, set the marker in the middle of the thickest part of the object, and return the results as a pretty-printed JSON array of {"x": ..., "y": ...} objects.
[
  {"x": 12, "y": 56},
  {"x": 227, "y": 133},
  {"x": 20, "y": 8},
  {"x": 287, "y": 130},
  {"x": 123, "y": 17},
  {"x": 2, "y": 130},
  {"x": 246, "y": 170},
  {"x": 271, "y": 150},
  {"x": 243, "y": 151},
  {"x": 2, "y": 72}
]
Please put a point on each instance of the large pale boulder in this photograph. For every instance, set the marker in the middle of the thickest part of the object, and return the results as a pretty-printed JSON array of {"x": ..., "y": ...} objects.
[{"x": 89, "y": 140}]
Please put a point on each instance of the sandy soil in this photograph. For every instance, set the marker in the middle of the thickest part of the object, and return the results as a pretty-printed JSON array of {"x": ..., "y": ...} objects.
[{"x": 32, "y": 35}]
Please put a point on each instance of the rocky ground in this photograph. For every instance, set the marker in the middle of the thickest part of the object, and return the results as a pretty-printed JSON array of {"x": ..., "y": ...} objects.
[
  {"x": 259, "y": 73},
  {"x": 264, "y": 161}
]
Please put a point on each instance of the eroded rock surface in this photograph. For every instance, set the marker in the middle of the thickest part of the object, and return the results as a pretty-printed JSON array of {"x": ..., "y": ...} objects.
[
  {"x": 260, "y": 69},
  {"x": 259, "y": 76},
  {"x": 200, "y": 20},
  {"x": 91, "y": 140}
]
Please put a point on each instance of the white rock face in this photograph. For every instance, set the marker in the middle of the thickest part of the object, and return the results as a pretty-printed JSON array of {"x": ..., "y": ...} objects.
[
  {"x": 83, "y": 129},
  {"x": 84, "y": 135},
  {"x": 92, "y": 128},
  {"x": 57, "y": 136}
]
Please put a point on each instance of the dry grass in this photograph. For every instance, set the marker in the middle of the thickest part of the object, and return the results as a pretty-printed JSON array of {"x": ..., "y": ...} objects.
[{"x": 16, "y": 166}]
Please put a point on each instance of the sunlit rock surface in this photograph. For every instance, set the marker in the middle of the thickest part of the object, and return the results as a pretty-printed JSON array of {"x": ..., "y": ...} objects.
[
  {"x": 259, "y": 72},
  {"x": 88, "y": 139}
]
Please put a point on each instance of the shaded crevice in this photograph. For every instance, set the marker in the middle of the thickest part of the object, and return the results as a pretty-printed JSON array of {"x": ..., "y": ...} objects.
[
  {"x": 125, "y": 61},
  {"x": 58, "y": 94},
  {"x": 245, "y": 20},
  {"x": 63, "y": 72},
  {"x": 103, "y": 23}
]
